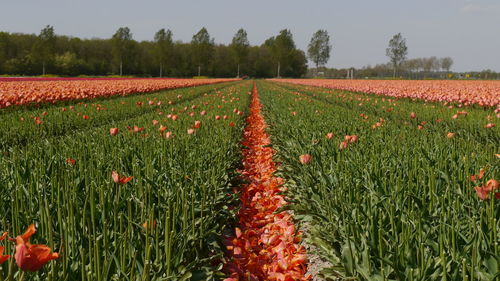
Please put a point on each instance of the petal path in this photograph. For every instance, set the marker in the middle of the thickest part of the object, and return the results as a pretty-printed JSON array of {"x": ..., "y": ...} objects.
[{"x": 265, "y": 245}]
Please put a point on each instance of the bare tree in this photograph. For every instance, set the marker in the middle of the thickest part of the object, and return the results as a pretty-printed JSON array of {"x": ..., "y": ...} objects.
[{"x": 446, "y": 63}]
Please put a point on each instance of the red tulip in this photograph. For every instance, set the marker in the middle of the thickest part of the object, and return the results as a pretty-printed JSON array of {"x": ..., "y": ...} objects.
[
  {"x": 231, "y": 124},
  {"x": 114, "y": 131},
  {"x": 190, "y": 131},
  {"x": 71, "y": 161},
  {"x": 197, "y": 124},
  {"x": 32, "y": 257},
  {"x": 155, "y": 122},
  {"x": 168, "y": 135},
  {"x": 86, "y": 117},
  {"x": 329, "y": 135},
  {"x": 413, "y": 115},
  {"x": 118, "y": 179},
  {"x": 489, "y": 125}
]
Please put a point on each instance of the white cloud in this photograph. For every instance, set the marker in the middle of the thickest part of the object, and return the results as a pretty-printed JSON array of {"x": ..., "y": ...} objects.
[{"x": 478, "y": 8}]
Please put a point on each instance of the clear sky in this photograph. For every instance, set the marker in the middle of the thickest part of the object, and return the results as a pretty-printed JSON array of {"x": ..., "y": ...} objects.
[{"x": 466, "y": 30}]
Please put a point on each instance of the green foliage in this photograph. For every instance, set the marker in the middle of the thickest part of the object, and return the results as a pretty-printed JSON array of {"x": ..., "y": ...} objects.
[
  {"x": 292, "y": 62},
  {"x": 164, "y": 48},
  {"x": 22, "y": 54},
  {"x": 123, "y": 48},
  {"x": 202, "y": 48}
]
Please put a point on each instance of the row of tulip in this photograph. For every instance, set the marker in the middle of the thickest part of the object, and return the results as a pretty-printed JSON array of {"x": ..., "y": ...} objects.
[
  {"x": 265, "y": 245},
  {"x": 483, "y": 93},
  {"x": 52, "y": 91},
  {"x": 389, "y": 188}
]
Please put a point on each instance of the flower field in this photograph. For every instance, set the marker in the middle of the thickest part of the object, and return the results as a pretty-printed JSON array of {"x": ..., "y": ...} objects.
[
  {"x": 483, "y": 93},
  {"x": 397, "y": 202},
  {"x": 47, "y": 90},
  {"x": 184, "y": 179}
]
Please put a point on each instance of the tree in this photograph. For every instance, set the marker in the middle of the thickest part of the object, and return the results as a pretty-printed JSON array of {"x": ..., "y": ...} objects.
[
  {"x": 319, "y": 48},
  {"x": 163, "y": 42},
  {"x": 122, "y": 45},
  {"x": 397, "y": 51},
  {"x": 282, "y": 47},
  {"x": 44, "y": 48},
  {"x": 203, "y": 48},
  {"x": 429, "y": 63},
  {"x": 446, "y": 63},
  {"x": 239, "y": 47}
]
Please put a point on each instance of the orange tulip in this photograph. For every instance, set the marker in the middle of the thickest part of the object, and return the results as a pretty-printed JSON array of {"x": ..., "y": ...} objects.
[
  {"x": 168, "y": 135},
  {"x": 3, "y": 257},
  {"x": 344, "y": 144},
  {"x": 32, "y": 257},
  {"x": 149, "y": 225},
  {"x": 413, "y": 115},
  {"x": 305, "y": 158},
  {"x": 114, "y": 131},
  {"x": 190, "y": 131},
  {"x": 491, "y": 185},
  {"x": 118, "y": 179},
  {"x": 481, "y": 193},
  {"x": 162, "y": 128},
  {"x": 329, "y": 135},
  {"x": 138, "y": 129},
  {"x": 489, "y": 125},
  {"x": 450, "y": 135},
  {"x": 479, "y": 176}
]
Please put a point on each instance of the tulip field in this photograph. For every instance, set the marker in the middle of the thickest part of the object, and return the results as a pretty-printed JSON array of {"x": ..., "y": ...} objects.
[
  {"x": 235, "y": 180},
  {"x": 391, "y": 189}
]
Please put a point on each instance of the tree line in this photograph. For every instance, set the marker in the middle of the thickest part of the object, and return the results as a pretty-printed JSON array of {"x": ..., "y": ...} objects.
[
  {"x": 402, "y": 67},
  {"x": 49, "y": 53}
]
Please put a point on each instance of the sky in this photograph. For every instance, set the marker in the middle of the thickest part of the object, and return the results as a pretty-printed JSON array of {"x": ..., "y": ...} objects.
[{"x": 466, "y": 30}]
